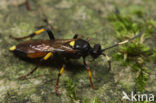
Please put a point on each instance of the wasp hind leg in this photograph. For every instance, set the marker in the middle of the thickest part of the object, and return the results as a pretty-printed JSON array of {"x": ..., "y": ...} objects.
[
  {"x": 48, "y": 55},
  {"x": 58, "y": 79},
  {"x": 27, "y": 4},
  {"x": 50, "y": 34}
]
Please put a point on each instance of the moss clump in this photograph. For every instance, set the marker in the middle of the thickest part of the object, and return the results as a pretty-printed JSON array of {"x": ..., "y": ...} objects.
[{"x": 135, "y": 54}]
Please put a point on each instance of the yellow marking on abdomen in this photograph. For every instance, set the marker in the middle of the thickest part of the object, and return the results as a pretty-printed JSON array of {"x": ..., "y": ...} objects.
[
  {"x": 72, "y": 43},
  {"x": 12, "y": 48},
  {"x": 48, "y": 55},
  {"x": 39, "y": 31}
]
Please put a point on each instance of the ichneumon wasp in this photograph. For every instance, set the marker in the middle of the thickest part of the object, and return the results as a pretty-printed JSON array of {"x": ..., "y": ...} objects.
[{"x": 67, "y": 48}]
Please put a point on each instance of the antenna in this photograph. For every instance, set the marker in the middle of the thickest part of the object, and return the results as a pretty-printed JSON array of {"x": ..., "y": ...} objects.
[{"x": 123, "y": 42}]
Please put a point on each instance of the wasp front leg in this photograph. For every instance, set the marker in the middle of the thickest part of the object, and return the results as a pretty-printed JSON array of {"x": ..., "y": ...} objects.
[
  {"x": 50, "y": 34},
  {"x": 108, "y": 60},
  {"x": 48, "y": 55}
]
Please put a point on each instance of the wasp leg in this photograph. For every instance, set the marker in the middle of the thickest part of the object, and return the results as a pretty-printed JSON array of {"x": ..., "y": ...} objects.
[
  {"x": 50, "y": 34},
  {"x": 75, "y": 36},
  {"x": 48, "y": 55},
  {"x": 57, "y": 83},
  {"x": 27, "y": 4},
  {"x": 89, "y": 74},
  {"x": 109, "y": 61}
]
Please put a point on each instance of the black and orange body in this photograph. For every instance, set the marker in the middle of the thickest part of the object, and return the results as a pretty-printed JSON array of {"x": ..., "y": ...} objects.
[
  {"x": 39, "y": 48},
  {"x": 67, "y": 48}
]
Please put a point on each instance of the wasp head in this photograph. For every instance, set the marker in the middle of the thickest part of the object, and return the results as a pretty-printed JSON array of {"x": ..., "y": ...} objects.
[{"x": 96, "y": 51}]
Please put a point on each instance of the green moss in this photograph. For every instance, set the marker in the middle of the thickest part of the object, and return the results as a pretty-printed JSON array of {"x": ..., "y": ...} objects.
[
  {"x": 134, "y": 54},
  {"x": 71, "y": 90}
]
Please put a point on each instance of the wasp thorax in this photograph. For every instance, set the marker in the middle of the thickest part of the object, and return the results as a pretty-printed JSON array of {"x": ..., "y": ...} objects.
[{"x": 82, "y": 45}]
